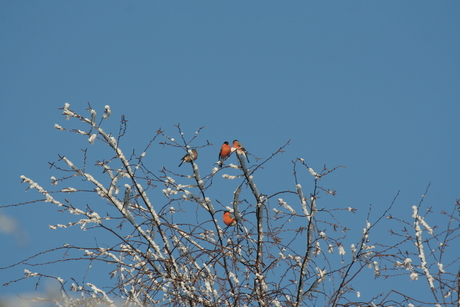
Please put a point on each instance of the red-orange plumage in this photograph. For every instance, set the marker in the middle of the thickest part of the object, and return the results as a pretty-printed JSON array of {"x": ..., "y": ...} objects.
[
  {"x": 224, "y": 153},
  {"x": 228, "y": 219},
  {"x": 240, "y": 149}
]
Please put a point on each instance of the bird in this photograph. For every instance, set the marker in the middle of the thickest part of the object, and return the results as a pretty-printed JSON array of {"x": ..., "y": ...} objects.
[
  {"x": 189, "y": 158},
  {"x": 224, "y": 153},
  {"x": 228, "y": 219},
  {"x": 240, "y": 149}
]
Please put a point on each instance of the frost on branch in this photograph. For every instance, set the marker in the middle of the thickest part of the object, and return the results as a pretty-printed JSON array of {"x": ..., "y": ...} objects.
[
  {"x": 107, "y": 112},
  {"x": 154, "y": 232},
  {"x": 92, "y": 138}
]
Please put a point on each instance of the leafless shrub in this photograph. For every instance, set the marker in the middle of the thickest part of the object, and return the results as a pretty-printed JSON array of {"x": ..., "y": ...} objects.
[{"x": 165, "y": 243}]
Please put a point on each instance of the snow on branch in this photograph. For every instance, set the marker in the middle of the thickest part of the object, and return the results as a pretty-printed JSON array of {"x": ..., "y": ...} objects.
[{"x": 158, "y": 238}]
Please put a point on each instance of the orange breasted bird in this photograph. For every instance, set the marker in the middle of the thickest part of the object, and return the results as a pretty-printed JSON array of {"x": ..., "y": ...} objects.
[
  {"x": 224, "y": 153},
  {"x": 189, "y": 158},
  {"x": 228, "y": 219},
  {"x": 240, "y": 149}
]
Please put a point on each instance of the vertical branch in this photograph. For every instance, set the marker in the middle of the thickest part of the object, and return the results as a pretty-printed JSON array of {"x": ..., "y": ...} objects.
[
  {"x": 458, "y": 288},
  {"x": 419, "y": 243},
  {"x": 260, "y": 207},
  {"x": 309, "y": 214},
  {"x": 236, "y": 210},
  {"x": 420, "y": 248}
]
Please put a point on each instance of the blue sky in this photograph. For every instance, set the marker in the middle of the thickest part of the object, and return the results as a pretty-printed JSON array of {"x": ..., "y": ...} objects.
[{"x": 370, "y": 85}]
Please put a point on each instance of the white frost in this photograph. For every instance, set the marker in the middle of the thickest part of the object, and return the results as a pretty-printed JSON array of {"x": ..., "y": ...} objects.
[
  {"x": 285, "y": 205},
  {"x": 341, "y": 250},
  {"x": 107, "y": 111},
  {"x": 92, "y": 138},
  {"x": 441, "y": 267}
]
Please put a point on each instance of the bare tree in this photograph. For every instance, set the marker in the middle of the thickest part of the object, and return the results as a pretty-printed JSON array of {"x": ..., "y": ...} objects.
[{"x": 165, "y": 243}]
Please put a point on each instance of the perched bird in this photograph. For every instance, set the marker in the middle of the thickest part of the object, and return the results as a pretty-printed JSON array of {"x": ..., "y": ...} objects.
[
  {"x": 240, "y": 149},
  {"x": 228, "y": 219},
  {"x": 189, "y": 158},
  {"x": 224, "y": 153}
]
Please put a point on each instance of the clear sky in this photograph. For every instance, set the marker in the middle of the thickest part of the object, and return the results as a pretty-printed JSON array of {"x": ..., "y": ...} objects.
[{"x": 371, "y": 85}]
